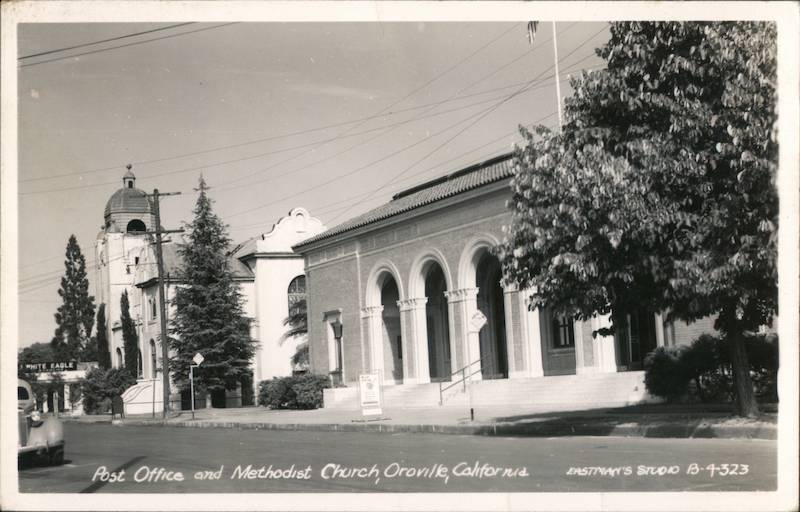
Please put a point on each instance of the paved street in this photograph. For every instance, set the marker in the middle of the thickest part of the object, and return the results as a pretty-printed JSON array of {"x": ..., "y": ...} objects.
[{"x": 168, "y": 459}]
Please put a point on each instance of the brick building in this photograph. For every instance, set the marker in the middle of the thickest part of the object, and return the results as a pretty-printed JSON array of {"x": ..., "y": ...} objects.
[{"x": 398, "y": 289}]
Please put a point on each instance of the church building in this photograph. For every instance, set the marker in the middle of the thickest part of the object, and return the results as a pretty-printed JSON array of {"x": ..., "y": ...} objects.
[
  {"x": 270, "y": 274},
  {"x": 413, "y": 291}
]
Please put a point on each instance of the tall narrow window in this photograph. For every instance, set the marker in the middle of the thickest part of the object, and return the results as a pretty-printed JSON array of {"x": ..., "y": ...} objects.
[
  {"x": 563, "y": 331},
  {"x": 296, "y": 295}
]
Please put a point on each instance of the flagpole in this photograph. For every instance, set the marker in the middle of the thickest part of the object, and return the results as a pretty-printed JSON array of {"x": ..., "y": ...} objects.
[{"x": 558, "y": 81}]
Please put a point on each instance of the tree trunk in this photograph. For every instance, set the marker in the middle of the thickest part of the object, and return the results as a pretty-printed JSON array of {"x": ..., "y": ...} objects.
[{"x": 744, "y": 396}]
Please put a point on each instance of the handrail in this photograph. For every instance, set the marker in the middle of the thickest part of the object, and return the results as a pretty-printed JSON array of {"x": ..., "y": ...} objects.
[{"x": 462, "y": 381}]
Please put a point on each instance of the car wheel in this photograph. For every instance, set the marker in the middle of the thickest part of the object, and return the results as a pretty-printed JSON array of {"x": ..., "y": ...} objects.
[{"x": 57, "y": 456}]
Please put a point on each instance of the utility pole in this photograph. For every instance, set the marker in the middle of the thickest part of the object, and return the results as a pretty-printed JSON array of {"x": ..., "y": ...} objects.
[{"x": 162, "y": 306}]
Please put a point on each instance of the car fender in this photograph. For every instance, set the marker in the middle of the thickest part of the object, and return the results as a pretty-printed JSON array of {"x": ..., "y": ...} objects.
[{"x": 49, "y": 433}]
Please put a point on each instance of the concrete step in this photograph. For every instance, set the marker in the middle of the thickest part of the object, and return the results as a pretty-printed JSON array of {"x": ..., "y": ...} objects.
[{"x": 556, "y": 391}]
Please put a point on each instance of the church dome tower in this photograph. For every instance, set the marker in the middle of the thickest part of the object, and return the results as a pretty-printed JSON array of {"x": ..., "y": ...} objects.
[{"x": 129, "y": 210}]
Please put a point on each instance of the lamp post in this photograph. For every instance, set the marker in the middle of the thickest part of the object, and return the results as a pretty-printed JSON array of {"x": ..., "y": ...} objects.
[{"x": 337, "y": 335}]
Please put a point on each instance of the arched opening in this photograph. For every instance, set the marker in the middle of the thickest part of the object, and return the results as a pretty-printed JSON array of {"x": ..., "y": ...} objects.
[
  {"x": 438, "y": 325},
  {"x": 120, "y": 360},
  {"x": 139, "y": 364},
  {"x": 297, "y": 322},
  {"x": 494, "y": 351},
  {"x": 136, "y": 226},
  {"x": 390, "y": 328},
  {"x": 153, "y": 360}
]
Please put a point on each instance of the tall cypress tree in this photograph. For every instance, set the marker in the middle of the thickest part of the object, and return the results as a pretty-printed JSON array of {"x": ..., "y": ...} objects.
[
  {"x": 130, "y": 340},
  {"x": 103, "y": 354},
  {"x": 75, "y": 316},
  {"x": 209, "y": 317}
]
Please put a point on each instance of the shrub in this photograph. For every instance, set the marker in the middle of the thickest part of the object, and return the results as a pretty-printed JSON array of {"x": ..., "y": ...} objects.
[
  {"x": 706, "y": 362},
  {"x": 293, "y": 392},
  {"x": 308, "y": 390},
  {"x": 665, "y": 373},
  {"x": 762, "y": 353},
  {"x": 100, "y": 386}
]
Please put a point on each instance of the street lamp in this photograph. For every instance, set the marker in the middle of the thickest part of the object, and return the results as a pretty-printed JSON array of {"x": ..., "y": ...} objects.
[{"x": 337, "y": 335}]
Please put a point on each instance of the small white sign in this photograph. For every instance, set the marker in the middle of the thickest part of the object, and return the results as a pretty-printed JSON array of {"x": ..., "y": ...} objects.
[
  {"x": 477, "y": 320},
  {"x": 369, "y": 389},
  {"x": 198, "y": 358}
]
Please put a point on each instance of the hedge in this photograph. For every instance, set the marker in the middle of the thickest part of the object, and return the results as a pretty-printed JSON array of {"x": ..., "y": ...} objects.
[{"x": 293, "y": 392}]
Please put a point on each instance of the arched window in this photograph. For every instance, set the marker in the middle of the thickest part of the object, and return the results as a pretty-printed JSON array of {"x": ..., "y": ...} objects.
[
  {"x": 296, "y": 295},
  {"x": 153, "y": 359},
  {"x": 136, "y": 226},
  {"x": 139, "y": 365},
  {"x": 120, "y": 361}
]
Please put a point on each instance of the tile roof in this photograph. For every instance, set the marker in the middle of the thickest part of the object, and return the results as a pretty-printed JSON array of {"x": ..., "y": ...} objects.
[
  {"x": 472, "y": 177},
  {"x": 172, "y": 263}
]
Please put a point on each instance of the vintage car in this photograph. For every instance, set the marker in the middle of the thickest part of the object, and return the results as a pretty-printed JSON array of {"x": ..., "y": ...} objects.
[{"x": 39, "y": 435}]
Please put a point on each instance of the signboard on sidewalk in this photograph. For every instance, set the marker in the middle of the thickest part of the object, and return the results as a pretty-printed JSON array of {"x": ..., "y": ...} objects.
[{"x": 369, "y": 390}]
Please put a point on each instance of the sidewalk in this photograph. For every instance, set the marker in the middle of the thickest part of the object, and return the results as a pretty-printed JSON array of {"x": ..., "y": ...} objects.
[{"x": 678, "y": 421}]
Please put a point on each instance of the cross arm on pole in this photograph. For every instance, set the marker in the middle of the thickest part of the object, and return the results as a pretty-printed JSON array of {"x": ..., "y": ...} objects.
[
  {"x": 161, "y": 194},
  {"x": 163, "y": 231}
]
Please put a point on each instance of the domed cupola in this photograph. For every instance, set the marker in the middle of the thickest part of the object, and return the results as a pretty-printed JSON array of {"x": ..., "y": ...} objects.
[{"x": 129, "y": 210}]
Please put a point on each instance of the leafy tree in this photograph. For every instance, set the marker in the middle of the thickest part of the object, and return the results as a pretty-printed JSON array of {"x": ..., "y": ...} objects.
[
  {"x": 209, "y": 317},
  {"x": 100, "y": 386},
  {"x": 297, "y": 322},
  {"x": 660, "y": 190},
  {"x": 103, "y": 353},
  {"x": 75, "y": 316},
  {"x": 130, "y": 340},
  {"x": 37, "y": 353}
]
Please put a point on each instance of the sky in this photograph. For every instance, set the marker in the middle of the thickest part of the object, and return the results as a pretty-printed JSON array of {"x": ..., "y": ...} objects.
[{"x": 333, "y": 117}]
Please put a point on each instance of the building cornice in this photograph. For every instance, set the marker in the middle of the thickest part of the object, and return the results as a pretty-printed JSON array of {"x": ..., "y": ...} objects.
[{"x": 404, "y": 216}]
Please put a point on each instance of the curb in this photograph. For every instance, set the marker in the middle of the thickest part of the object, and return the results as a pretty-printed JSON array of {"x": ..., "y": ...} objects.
[{"x": 565, "y": 429}]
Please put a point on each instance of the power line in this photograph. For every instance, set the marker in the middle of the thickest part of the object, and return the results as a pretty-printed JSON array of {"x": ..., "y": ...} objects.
[
  {"x": 433, "y": 106},
  {"x": 128, "y": 44},
  {"x": 482, "y": 114},
  {"x": 370, "y": 164},
  {"x": 49, "y": 52},
  {"x": 275, "y": 137},
  {"x": 473, "y": 123},
  {"x": 269, "y": 153},
  {"x": 383, "y": 131},
  {"x": 290, "y": 134},
  {"x": 326, "y": 207},
  {"x": 385, "y": 109},
  {"x": 342, "y": 134}
]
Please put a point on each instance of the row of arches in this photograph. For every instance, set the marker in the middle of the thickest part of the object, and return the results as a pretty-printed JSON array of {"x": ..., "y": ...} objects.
[{"x": 430, "y": 283}]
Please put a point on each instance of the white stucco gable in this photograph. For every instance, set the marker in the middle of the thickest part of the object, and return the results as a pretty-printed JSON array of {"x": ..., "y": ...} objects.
[{"x": 297, "y": 226}]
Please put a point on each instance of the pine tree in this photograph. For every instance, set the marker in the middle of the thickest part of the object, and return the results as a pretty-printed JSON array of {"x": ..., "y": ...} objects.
[
  {"x": 75, "y": 316},
  {"x": 103, "y": 353},
  {"x": 130, "y": 340},
  {"x": 209, "y": 316},
  {"x": 660, "y": 191}
]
